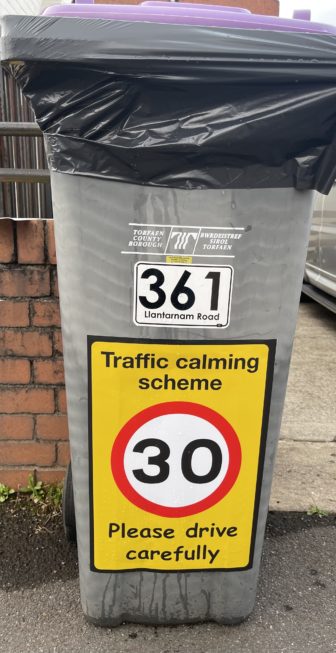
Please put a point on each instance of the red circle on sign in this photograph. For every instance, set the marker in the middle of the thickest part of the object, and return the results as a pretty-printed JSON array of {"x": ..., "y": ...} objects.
[{"x": 168, "y": 408}]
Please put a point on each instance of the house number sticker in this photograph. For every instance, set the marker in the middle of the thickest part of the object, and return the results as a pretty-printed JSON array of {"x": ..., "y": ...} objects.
[{"x": 182, "y": 295}]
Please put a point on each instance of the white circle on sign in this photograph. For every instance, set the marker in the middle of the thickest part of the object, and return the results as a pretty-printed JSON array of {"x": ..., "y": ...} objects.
[{"x": 177, "y": 431}]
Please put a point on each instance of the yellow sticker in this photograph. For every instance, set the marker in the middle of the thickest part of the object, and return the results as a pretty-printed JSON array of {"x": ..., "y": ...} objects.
[
  {"x": 179, "y": 259},
  {"x": 177, "y": 439}
]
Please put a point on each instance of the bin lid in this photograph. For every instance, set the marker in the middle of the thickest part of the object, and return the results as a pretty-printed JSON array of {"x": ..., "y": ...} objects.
[
  {"x": 179, "y": 5},
  {"x": 168, "y": 13}
]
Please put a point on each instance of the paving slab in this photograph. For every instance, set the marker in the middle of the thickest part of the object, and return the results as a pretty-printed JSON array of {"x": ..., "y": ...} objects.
[
  {"x": 305, "y": 470},
  {"x": 310, "y": 406},
  {"x": 304, "y": 477}
]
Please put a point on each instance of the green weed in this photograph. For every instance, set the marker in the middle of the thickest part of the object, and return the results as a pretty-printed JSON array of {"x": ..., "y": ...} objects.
[
  {"x": 35, "y": 489},
  {"x": 53, "y": 496},
  {"x": 5, "y": 492},
  {"x": 46, "y": 496},
  {"x": 315, "y": 510}
]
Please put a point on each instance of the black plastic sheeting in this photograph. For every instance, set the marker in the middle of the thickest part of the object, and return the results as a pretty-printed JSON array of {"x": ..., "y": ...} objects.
[{"x": 179, "y": 106}]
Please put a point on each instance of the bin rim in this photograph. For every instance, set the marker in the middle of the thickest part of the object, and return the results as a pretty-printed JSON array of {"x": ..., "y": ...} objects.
[
  {"x": 278, "y": 54},
  {"x": 179, "y": 5},
  {"x": 188, "y": 16}
]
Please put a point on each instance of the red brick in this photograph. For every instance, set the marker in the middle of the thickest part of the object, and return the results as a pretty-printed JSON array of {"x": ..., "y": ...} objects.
[
  {"x": 58, "y": 343},
  {"x": 49, "y": 371},
  {"x": 24, "y": 282},
  {"x": 50, "y": 238},
  {"x": 14, "y": 313},
  {"x": 6, "y": 241},
  {"x": 46, "y": 313},
  {"x": 52, "y": 427},
  {"x": 27, "y": 453},
  {"x": 54, "y": 283},
  {"x": 15, "y": 477},
  {"x": 63, "y": 453},
  {"x": 50, "y": 476},
  {"x": 30, "y": 241},
  {"x": 26, "y": 400},
  {"x": 16, "y": 427},
  {"x": 14, "y": 370},
  {"x": 61, "y": 401},
  {"x": 25, "y": 343}
]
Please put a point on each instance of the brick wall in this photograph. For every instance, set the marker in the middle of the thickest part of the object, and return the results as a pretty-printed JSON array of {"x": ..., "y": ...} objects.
[
  {"x": 268, "y": 7},
  {"x": 33, "y": 421}
]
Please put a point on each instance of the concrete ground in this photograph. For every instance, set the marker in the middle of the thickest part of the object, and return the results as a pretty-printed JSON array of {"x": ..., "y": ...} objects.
[
  {"x": 41, "y": 613},
  {"x": 296, "y": 604},
  {"x": 305, "y": 473}
]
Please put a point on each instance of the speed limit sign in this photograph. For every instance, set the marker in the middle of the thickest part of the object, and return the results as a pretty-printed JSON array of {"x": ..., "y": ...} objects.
[
  {"x": 176, "y": 459},
  {"x": 176, "y": 445},
  {"x": 182, "y": 295}
]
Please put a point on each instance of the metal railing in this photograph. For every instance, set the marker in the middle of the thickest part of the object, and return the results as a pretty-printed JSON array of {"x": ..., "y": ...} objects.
[{"x": 24, "y": 176}]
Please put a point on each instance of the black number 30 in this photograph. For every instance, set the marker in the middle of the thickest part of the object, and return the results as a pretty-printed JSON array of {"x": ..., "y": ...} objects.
[{"x": 160, "y": 461}]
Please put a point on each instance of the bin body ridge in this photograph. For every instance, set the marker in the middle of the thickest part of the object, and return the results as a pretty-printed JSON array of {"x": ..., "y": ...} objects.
[{"x": 262, "y": 308}]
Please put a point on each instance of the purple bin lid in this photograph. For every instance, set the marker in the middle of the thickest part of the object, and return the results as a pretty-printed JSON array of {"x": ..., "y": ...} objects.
[
  {"x": 187, "y": 16},
  {"x": 178, "y": 4},
  {"x": 302, "y": 14}
]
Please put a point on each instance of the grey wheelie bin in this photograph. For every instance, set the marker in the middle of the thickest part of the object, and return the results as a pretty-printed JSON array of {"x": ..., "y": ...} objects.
[{"x": 185, "y": 146}]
